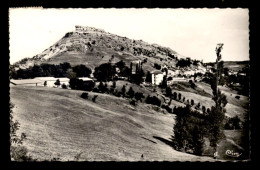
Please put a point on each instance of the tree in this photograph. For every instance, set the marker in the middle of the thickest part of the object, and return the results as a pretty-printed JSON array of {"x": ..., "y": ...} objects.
[
  {"x": 131, "y": 92},
  {"x": 203, "y": 109},
  {"x": 114, "y": 84},
  {"x": 45, "y": 83},
  {"x": 101, "y": 87},
  {"x": 84, "y": 95},
  {"x": 57, "y": 83},
  {"x": 139, "y": 96},
  {"x": 183, "y": 99},
  {"x": 64, "y": 86},
  {"x": 198, "y": 106},
  {"x": 157, "y": 66},
  {"x": 179, "y": 96},
  {"x": 105, "y": 72},
  {"x": 148, "y": 77},
  {"x": 192, "y": 102},
  {"x": 168, "y": 92},
  {"x": 82, "y": 71},
  {"x": 94, "y": 98},
  {"x": 217, "y": 113},
  {"x": 174, "y": 95},
  {"x": 123, "y": 90}
]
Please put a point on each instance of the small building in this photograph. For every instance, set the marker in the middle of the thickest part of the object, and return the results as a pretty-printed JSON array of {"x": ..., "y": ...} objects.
[
  {"x": 25, "y": 82},
  {"x": 157, "y": 77},
  {"x": 51, "y": 80}
]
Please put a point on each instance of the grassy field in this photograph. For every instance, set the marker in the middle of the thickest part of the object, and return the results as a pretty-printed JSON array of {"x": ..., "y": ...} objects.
[{"x": 59, "y": 123}]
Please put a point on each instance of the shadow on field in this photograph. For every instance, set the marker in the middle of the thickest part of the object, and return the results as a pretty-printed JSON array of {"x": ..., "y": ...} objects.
[
  {"x": 166, "y": 141},
  {"x": 149, "y": 140}
]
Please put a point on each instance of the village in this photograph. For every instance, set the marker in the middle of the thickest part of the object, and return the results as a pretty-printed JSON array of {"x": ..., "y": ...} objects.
[{"x": 172, "y": 74}]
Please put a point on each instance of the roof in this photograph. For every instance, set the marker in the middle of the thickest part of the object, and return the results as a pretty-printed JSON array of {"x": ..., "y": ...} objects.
[
  {"x": 25, "y": 81},
  {"x": 52, "y": 78},
  {"x": 85, "y": 78},
  {"x": 156, "y": 72},
  {"x": 46, "y": 78}
]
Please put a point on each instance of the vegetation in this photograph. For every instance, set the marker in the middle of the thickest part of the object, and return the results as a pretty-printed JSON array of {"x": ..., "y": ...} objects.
[
  {"x": 105, "y": 72},
  {"x": 57, "y": 83},
  {"x": 131, "y": 92},
  {"x": 184, "y": 62},
  {"x": 78, "y": 84},
  {"x": 153, "y": 100},
  {"x": 84, "y": 95},
  {"x": 189, "y": 130},
  {"x": 17, "y": 151}
]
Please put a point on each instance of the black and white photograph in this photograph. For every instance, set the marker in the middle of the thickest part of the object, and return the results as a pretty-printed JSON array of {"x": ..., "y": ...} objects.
[{"x": 128, "y": 84}]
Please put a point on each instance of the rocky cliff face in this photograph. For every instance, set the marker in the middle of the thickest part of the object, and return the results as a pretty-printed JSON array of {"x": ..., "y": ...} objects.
[{"x": 92, "y": 47}]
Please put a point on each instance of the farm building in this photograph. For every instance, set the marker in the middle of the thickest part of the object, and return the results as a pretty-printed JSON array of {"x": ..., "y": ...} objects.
[
  {"x": 25, "y": 82},
  {"x": 157, "y": 77},
  {"x": 51, "y": 80}
]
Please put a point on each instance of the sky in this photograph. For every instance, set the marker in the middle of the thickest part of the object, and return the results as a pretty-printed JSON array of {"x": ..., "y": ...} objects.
[{"x": 192, "y": 33}]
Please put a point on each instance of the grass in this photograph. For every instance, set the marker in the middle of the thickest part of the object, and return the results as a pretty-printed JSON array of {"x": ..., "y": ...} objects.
[{"x": 59, "y": 123}]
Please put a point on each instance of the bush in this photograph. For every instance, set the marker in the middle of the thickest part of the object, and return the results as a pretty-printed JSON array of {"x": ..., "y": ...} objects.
[
  {"x": 237, "y": 97},
  {"x": 123, "y": 90},
  {"x": 64, "y": 86},
  {"x": 153, "y": 100},
  {"x": 84, "y": 95},
  {"x": 233, "y": 123},
  {"x": 133, "y": 102},
  {"x": 168, "y": 92},
  {"x": 139, "y": 96},
  {"x": 203, "y": 109},
  {"x": 131, "y": 92},
  {"x": 166, "y": 107},
  {"x": 179, "y": 96},
  {"x": 192, "y": 102},
  {"x": 157, "y": 66},
  {"x": 57, "y": 83},
  {"x": 94, "y": 98},
  {"x": 174, "y": 95}
]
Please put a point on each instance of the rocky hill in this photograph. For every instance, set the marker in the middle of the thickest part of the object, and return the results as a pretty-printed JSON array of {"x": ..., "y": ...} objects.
[{"x": 92, "y": 47}]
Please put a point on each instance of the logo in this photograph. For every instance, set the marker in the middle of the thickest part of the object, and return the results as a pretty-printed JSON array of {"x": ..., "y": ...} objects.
[{"x": 233, "y": 154}]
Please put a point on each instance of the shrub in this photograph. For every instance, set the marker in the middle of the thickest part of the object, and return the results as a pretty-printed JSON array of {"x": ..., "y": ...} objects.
[
  {"x": 84, "y": 95},
  {"x": 237, "y": 97},
  {"x": 168, "y": 92},
  {"x": 57, "y": 83},
  {"x": 192, "y": 102},
  {"x": 166, "y": 107},
  {"x": 64, "y": 86},
  {"x": 233, "y": 123},
  {"x": 174, "y": 95},
  {"x": 133, "y": 102},
  {"x": 131, "y": 92},
  {"x": 179, "y": 96},
  {"x": 139, "y": 96},
  {"x": 94, "y": 98},
  {"x": 203, "y": 109},
  {"x": 153, "y": 100},
  {"x": 157, "y": 66},
  {"x": 183, "y": 99},
  {"x": 123, "y": 90}
]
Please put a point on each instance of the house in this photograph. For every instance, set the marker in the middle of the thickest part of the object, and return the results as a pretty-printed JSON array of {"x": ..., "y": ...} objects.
[{"x": 157, "y": 77}]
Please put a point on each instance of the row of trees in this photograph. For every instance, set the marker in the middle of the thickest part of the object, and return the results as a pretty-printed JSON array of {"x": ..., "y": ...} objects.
[{"x": 46, "y": 70}]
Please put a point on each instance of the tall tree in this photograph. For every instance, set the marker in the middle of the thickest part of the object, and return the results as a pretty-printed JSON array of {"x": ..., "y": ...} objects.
[{"x": 217, "y": 113}]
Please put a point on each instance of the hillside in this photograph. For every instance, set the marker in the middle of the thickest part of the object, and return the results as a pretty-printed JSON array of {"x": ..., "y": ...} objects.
[
  {"x": 59, "y": 123},
  {"x": 92, "y": 47}
]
